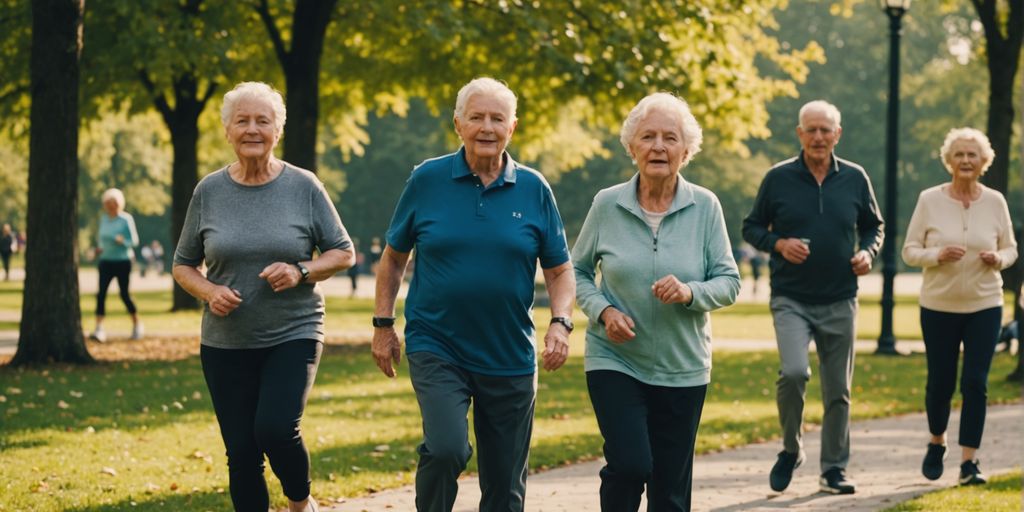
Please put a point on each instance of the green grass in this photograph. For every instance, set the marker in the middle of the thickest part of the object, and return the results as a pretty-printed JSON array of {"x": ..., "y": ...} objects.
[
  {"x": 142, "y": 435},
  {"x": 1001, "y": 494}
]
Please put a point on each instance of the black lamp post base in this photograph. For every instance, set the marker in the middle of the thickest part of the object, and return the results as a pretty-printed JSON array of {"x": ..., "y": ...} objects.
[{"x": 887, "y": 347}]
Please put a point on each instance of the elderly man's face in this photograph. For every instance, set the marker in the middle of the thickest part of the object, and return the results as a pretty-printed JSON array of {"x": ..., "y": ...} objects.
[
  {"x": 251, "y": 130},
  {"x": 818, "y": 135},
  {"x": 486, "y": 127},
  {"x": 657, "y": 145}
]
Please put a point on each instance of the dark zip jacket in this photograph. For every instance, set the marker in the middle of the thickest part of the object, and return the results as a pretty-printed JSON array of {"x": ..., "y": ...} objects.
[{"x": 840, "y": 217}]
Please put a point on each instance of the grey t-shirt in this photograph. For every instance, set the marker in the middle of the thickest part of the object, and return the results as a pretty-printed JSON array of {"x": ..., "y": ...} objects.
[{"x": 239, "y": 230}]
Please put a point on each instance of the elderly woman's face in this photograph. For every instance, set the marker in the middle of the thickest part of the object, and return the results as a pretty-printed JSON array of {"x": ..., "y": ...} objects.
[
  {"x": 965, "y": 160},
  {"x": 657, "y": 145},
  {"x": 111, "y": 207},
  {"x": 252, "y": 131},
  {"x": 486, "y": 126}
]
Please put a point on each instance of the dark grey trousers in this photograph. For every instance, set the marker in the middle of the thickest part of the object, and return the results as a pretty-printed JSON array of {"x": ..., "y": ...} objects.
[
  {"x": 833, "y": 329},
  {"x": 503, "y": 422}
]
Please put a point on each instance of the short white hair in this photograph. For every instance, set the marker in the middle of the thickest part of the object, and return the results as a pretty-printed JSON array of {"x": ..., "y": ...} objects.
[
  {"x": 115, "y": 195},
  {"x": 973, "y": 134},
  {"x": 690, "y": 130},
  {"x": 824, "y": 107},
  {"x": 257, "y": 91},
  {"x": 490, "y": 87}
]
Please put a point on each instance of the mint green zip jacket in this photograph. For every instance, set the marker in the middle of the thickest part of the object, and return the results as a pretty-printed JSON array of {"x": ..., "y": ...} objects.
[{"x": 672, "y": 346}]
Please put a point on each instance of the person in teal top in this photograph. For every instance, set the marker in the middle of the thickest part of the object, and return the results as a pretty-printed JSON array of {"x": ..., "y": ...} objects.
[
  {"x": 662, "y": 250},
  {"x": 116, "y": 250}
]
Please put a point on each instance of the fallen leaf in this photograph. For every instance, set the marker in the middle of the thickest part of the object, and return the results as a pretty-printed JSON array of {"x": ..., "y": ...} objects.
[
  {"x": 109, "y": 471},
  {"x": 61, "y": 404}
]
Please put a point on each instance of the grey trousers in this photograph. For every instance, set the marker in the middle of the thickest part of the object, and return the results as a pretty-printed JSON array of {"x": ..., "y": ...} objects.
[
  {"x": 833, "y": 329},
  {"x": 503, "y": 422}
]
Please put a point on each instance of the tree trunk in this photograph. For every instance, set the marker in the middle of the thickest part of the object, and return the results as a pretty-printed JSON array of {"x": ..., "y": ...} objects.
[
  {"x": 185, "y": 176},
  {"x": 1018, "y": 314},
  {"x": 51, "y": 317},
  {"x": 301, "y": 65},
  {"x": 1000, "y": 118}
]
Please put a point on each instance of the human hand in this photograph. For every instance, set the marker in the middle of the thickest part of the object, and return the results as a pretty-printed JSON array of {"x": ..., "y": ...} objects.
[
  {"x": 223, "y": 300},
  {"x": 617, "y": 325},
  {"x": 861, "y": 263},
  {"x": 281, "y": 276},
  {"x": 119, "y": 239},
  {"x": 991, "y": 258},
  {"x": 670, "y": 290},
  {"x": 556, "y": 347},
  {"x": 951, "y": 253},
  {"x": 793, "y": 250},
  {"x": 386, "y": 348}
]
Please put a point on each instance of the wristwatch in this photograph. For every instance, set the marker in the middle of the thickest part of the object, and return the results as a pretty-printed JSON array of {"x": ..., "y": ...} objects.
[
  {"x": 383, "y": 321},
  {"x": 302, "y": 270},
  {"x": 564, "y": 320}
]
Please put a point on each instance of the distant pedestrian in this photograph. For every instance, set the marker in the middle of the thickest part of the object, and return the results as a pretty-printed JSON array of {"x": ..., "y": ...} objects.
[
  {"x": 817, "y": 197},
  {"x": 255, "y": 224},
  {"x": 147, "y": 260},
  {"x": 961, "y": 234},
  {"x": 8, "y": 246},
  {"x": 116, "y": 247},
  {"x": 354, "y": 271},
  {"x": 158, "y": 257},
  {"x": 376, "y": 250},
  {"x": 648, "y": 354}
]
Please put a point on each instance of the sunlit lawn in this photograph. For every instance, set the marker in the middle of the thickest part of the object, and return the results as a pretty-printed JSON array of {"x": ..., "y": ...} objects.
[
  {"x": 142, "y": 434},
  {"x": 1001, "y": 494}
]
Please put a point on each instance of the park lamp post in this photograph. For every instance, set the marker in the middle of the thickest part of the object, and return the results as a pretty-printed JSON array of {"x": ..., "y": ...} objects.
[{"x": 895, "y": 9}]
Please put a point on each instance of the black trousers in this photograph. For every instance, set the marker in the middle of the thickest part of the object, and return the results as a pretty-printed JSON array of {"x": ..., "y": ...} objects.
[
  {"x": 122, "y": 270},
  {"x": 649, "y": 434},
  {"x": 943, "y": 333},
  {"x": 259, "y": 396}
]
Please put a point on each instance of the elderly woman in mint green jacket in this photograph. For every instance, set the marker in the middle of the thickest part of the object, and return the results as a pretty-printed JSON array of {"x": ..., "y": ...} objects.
[{"x": 662, "y": 250}]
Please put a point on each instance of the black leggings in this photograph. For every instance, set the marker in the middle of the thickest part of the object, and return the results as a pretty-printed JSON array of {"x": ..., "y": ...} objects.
[
  {"x": 649, "y": 434},
  {"x": 258, "y": 396},
  {"x": 943, "y": 333},
  {"x": 6, "y": 256},
  {"x": 122, "y": 270}
]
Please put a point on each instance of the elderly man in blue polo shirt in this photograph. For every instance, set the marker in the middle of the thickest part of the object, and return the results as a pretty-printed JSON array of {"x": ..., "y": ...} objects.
[
  {"x": 479, "y": 222},
  {"x": 816, "y": 213}
]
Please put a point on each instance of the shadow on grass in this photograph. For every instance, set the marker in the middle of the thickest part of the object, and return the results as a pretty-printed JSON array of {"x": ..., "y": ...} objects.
[{"x": 206, "y": 500}]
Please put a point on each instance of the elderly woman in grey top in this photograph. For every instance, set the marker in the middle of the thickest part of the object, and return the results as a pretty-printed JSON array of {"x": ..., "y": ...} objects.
[{"x": 256, "y": 223}]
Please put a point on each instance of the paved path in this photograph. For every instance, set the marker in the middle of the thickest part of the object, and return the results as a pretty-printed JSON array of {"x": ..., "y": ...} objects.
[{"x": 885, "y": 464}]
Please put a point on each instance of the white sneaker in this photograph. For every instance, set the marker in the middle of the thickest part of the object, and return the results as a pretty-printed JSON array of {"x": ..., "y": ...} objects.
[
  {"x": 99, "y": 335},
  {"x": 312, "y": 505},
  {"x": 138, "y": 331}
]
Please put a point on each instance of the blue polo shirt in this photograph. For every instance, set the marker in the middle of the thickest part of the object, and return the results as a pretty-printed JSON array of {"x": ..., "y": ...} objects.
[{"x": 471, "y": 297}]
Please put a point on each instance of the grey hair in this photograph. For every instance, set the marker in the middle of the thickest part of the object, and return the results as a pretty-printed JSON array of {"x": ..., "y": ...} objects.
[
  {"x": 821, "y": 106},
  {"x": 489, "y": 86},
  {"x": 116, "y": 195},
  {"x": 690, "y": 130},
  {"x": 972, "y": 134},
  {"x": 258, "y": 91}
]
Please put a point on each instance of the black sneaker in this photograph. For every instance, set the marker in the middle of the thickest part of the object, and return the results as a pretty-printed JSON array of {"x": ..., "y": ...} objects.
[
  {"x": 970, "y": 473},
  {"x": 932, "y": 468},
  {"x": 834, "y": 481},
  {"x": 782, "y": 471}
]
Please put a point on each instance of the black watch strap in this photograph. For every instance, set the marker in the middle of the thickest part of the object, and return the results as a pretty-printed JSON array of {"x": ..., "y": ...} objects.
[
  {"x": 302, "y": 270},
  {"x": 564, "y": 320},
  {"x": 383, "y": 321}
]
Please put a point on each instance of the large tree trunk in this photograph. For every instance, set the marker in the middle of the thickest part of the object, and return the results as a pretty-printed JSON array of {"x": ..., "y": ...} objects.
[
  {"x": 1002, "y": 45},
  {"x": 185, "y": 176},
  {"x": 301, "y": 65},
  {"x": 1018, "y": 314},
  {"x": 51, "y": 318}
]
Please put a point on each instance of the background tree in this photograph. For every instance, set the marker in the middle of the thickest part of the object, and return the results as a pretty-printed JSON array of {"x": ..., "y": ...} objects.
[
  {"x": 171, "y": 57},
  {"x": 51, "y": 321}
]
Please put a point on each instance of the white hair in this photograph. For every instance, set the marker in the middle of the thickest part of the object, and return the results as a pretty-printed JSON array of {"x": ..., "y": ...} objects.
[
  {"x": 972, "y": 134},
  {"x": 824, "y": 107},
  {"x": 488, "y": 86},
  {"x": 690, "y": 130},
  {"x": 257, "y": 91},
  {"x": 113, "y": 194}
]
